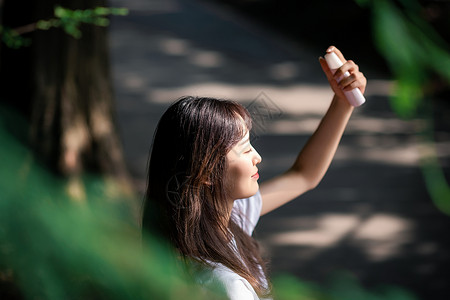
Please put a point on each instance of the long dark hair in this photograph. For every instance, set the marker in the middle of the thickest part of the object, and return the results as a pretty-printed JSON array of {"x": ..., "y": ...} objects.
[{"x": 186, "y": 198}]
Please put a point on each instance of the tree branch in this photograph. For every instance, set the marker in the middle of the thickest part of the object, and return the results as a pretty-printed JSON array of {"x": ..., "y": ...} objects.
[{"x": 25, "y": 29}]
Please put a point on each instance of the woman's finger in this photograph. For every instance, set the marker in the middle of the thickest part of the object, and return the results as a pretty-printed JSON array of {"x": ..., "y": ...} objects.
[
  {"x": 347, "y": 80},
  {"x": 349, "y": 67},
  {"x": 351, "y": 86},
  {"x": 356, "y": 80},
  {"x": 333, "y": 83}
]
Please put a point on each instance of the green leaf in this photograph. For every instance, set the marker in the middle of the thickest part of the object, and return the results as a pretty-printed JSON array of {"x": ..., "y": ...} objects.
[
  {"x": 287, "y": 287},
  {"x": 78, "y": 14},
  {"x": 407, "y": 98},
  {"x": 121, "y": 11},
  {"x": 71, "y": 29},
  {"x": 61, "y": 12},
  {"x": 101, "y": 22},
  {"x": 12, "y": 39},
  {"x": 102, "y": 11}
]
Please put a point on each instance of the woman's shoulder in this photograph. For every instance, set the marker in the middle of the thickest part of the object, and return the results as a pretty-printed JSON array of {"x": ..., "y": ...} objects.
[{"x": 232, "y": 284}]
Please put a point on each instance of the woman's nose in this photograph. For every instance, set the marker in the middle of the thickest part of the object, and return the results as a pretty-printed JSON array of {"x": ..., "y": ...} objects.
[{"x": 257, "y": 158}]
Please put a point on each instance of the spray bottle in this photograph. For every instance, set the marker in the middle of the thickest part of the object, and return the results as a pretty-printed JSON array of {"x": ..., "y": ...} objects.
[{"x": 354, "y": 97}]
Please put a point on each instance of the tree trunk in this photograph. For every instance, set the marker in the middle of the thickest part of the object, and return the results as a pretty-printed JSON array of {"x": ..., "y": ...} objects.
[
  {"x": 70, "y": 106},
  {"x": 63, "y": 86}
]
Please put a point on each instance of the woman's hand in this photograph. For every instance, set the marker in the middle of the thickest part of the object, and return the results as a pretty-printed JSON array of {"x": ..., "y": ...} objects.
[{"x": 355, "y": 80}]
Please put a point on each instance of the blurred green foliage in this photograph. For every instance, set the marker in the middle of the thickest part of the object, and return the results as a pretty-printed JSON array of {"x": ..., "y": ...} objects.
[
  {"x": 413, "y": 50},
  {"x": 67, "y": 19},
  {"x": 59, "y": 248},
  {"x": 12, "y": 39},
  {"x": 341, "y": 286},
  {"x": 70, "y": 20},
  {"x": 417, "y": 55}
]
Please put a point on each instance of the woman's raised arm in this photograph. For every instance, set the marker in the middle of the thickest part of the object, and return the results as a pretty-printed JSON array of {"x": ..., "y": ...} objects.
[{"x": 314, "y": 159}]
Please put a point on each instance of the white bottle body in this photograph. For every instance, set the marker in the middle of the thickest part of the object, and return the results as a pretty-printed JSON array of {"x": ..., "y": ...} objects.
[{"x": 354, "y": 97}]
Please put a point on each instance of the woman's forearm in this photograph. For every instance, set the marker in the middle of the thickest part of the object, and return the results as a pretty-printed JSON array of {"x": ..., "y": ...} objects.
[{"x": 316, "y": 156}]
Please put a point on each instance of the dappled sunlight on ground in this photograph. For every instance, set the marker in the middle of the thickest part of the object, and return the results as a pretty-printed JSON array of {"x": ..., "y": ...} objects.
[
  {"x": 402, "y": 154},
  {"x": 383, "y": 235},
  {"x": 380, "y": 236},
  {"x": 328, "y": 229}
]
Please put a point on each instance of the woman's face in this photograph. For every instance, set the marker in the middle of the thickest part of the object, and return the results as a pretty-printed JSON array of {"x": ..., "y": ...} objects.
[{"x": 241, "y": 177}]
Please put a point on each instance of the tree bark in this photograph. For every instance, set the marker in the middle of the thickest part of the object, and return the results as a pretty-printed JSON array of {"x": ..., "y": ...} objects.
[{"x": 70, "y": 106}]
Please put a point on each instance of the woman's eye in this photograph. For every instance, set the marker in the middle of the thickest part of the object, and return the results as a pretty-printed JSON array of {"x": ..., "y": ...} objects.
[{"x": 248, "y": 150}]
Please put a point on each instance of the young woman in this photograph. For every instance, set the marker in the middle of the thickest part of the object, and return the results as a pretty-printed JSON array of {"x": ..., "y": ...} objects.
[{"x": 203, "y": 192}]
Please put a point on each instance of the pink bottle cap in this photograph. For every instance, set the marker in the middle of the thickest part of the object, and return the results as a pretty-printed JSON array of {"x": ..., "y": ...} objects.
[{"x": 333, "y": 61}]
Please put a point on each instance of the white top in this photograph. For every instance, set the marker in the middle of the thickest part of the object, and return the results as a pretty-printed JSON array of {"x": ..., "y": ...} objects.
[{"x": 246, "y": 214}]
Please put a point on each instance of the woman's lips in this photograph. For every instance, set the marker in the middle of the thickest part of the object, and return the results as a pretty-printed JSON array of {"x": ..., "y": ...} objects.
[{"x": 255, "y": 176}]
